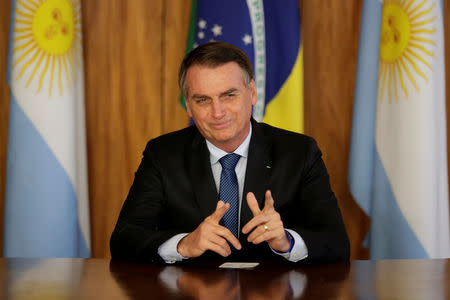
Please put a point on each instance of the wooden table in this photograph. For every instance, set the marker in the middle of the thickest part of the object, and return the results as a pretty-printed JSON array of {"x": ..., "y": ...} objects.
[{"x": 105, "y": 279}]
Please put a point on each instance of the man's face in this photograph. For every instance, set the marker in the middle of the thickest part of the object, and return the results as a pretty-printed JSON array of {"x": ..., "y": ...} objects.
[{"x": 220, "y": 104}]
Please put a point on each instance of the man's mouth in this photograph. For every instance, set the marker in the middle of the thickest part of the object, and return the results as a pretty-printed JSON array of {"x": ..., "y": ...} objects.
[{"x": 221, "y": 125}]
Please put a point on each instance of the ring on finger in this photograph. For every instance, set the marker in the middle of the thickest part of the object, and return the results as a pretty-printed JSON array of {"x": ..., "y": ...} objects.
[{"x": 266, "y": 228}]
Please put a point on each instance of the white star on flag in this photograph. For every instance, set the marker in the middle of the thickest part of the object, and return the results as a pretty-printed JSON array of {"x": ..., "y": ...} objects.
[
  {"x": 202, "y": 24},
  {"x": 201, "y": 35},
  {"x": 217, "y": 30},
  {"x": 247, "y": 39}
]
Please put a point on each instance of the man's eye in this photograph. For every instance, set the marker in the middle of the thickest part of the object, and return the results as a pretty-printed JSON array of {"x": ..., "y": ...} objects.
[
  {"x": 201, "y": 100},
  {"x": 230, "y": 95}
]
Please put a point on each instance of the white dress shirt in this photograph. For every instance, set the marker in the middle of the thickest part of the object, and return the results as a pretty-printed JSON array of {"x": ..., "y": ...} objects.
[{"x": 168, "y": 250}]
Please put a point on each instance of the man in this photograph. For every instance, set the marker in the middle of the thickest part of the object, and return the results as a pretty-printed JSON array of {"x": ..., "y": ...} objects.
[{"x": 277, "y": 200}]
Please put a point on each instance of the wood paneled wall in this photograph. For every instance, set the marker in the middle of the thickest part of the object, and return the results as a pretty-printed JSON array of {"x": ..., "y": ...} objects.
[
  {"x": 331, "y": 35},
  {"x": 4, "y": 103},
  {"x": 132, "y": 50}
]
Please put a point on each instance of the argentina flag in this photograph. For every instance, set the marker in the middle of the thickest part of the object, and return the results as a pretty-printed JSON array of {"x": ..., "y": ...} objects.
[
  {"x": 46, "y": 203},
  {"x": 269, "y": 33},
  {"x": 398, "y": 156}
]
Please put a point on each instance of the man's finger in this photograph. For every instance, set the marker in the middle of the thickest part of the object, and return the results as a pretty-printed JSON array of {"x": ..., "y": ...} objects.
[
  {"x": 259, "y": 230},
  {"x": 221, "y": 209},
  {"x": 272, "y": 226},
  {"x": 221, "y": 242},
  {"x": 268, "y": 203},
  {"x": 218, "y": 249},
  {"x": 226, "y": 234},
  {"x": 258, "y": 220},
  {"x": 253, "y": 204},
  {"x": 265, "y": 237},
  {"x": 219, "y": 204}
]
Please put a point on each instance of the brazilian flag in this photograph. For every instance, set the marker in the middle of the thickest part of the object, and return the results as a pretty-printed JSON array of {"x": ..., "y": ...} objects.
[{"x": 269, "y": 33}]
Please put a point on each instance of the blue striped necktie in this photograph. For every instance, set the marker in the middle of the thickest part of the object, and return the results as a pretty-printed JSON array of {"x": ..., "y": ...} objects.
[{"x": 229, "y": 191}]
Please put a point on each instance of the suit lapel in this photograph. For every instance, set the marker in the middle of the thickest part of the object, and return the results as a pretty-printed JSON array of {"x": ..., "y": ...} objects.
[
  {"x": 258, "y": 171},
  {"x": 199, "y": 166}
]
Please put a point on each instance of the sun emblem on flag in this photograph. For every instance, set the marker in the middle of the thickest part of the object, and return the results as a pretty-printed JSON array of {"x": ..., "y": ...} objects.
[
  {"x": 47, "y": 43},
  {"x": 406, "y": 46}
]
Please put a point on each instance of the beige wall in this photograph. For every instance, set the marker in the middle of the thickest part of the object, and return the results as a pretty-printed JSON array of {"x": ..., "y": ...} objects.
[{"x": 131, "y": 53}]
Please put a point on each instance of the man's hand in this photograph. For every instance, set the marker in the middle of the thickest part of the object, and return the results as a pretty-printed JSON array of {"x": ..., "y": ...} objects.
[
  {"x": 209, "y": 235},
  {"x": 266, "y": 224}
]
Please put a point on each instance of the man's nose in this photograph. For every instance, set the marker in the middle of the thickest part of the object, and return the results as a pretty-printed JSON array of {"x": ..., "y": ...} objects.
[{"x": 217, "y": 109}]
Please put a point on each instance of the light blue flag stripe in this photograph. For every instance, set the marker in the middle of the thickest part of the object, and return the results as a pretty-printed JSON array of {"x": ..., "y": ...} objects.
[
  {"x": 362, "y": 145},
  {"x": 41, "y": 208}
]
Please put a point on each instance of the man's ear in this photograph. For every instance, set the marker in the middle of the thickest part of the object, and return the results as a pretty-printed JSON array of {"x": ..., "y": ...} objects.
[
  {"x": 188, "y": 108},
  {"x": 253, "y": 91}
]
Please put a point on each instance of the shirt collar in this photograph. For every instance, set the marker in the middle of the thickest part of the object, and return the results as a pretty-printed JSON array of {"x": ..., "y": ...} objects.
[{"x": 217, "y": 153}]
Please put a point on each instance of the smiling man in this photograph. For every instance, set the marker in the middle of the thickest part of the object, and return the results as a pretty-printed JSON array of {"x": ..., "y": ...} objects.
[
  {"x": 229, "y": 188},
  {"x": 221, "y": 103}
]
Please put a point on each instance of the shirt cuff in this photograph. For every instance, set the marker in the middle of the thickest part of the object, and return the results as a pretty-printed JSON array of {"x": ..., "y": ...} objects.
[
  {"x": 299, "y": 250},
  {"x": 168, "y": 250}
]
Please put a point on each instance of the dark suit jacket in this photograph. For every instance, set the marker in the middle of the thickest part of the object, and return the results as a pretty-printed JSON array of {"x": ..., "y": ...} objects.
[{"x": 174, "y": 191}]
